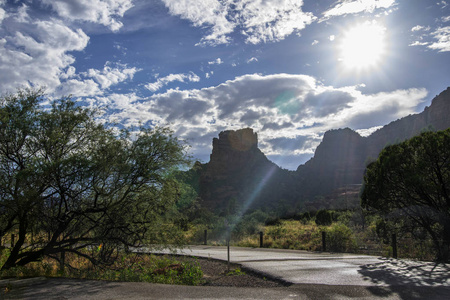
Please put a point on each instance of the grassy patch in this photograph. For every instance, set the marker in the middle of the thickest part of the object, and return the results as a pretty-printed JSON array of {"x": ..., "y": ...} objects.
[{"x": 128, "y": 267}]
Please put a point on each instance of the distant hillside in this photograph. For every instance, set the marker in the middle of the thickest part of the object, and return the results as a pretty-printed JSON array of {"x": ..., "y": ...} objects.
[{"x": 240, "y": 175}]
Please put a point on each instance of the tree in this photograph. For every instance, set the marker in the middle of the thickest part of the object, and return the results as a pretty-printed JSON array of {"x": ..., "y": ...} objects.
[
  {"x": 69, "y": 183},
  {"x": 409, "y": 184}
]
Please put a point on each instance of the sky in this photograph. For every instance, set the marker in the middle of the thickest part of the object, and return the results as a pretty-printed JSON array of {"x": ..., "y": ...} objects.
[{"x": 289, "y": 69}]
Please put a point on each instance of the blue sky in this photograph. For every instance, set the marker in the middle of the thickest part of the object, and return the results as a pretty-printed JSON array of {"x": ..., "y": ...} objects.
[{"x": 289, "y": 69}]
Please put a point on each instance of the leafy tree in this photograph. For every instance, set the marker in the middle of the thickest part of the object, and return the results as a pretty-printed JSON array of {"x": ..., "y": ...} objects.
[
  {"x": 70, "y": 184},
  {"x": 324, "y": 217},
  {"x": 409, "y": 184}
]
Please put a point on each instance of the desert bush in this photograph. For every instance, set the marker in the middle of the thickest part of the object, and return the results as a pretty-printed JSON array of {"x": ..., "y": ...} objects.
[{"x": 340, "y": 238}]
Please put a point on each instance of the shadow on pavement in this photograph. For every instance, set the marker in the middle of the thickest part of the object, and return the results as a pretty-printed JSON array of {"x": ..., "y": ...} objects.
[
  {"x": 408, "y": 279},
  {"x": 59, "y": 288}
]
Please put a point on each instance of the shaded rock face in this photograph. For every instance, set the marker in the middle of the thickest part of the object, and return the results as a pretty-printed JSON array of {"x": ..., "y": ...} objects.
[
  {"x": 233, "y": 151},
  {"x": 239, "y": 172},
  {"x": 338, "y": 161},
  {"x": 434, "y": 117},
  {"x": 342, "y": 156}
]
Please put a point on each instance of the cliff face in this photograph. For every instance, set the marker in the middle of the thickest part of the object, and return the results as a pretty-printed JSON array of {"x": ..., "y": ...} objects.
[
  {"x": 340, "y": 159},
  {"x": 239, "y": 173},
  {"x": 434, "y": 117}
]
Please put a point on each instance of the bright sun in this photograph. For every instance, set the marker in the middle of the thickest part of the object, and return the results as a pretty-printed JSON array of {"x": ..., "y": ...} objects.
[{"x": 363, "y": 46}]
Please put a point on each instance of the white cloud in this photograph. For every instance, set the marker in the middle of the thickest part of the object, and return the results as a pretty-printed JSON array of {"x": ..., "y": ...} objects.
[
  {"x": 417, "y": 43},
  {"x": 218, "y": 61},
  {"x": 163, "y": 81},
  {"x": 210, "y": 13},
  {"x": 420, "y": 28},
  {"x": 105, "y": 12},
  {"x": 443, "y": 39},
  {"x": 258, "y": 20},
  {"x": 38, "y": 53},
  {"x": 253, "y": 59},
  {"x": 2, "y": 15},
  {"x": 445, "y": 19},
  {"x": 344, "y": 7},
  {"x": 94, "y": 82},
  {"x": 111, "y": 75},
  {"x": 315, "y": 42},
  {"x": 443, "y": 4}
]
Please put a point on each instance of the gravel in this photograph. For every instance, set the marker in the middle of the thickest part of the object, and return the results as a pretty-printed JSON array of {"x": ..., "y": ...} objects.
[{"x": 218, "y": 273}]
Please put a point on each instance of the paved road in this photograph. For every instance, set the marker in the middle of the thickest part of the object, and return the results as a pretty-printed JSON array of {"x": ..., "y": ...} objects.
[
  {"x": 313, "y": 276},
  {"x": 303, "y": 267}
]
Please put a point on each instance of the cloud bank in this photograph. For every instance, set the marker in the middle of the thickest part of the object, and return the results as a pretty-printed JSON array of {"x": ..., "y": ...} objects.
[
  {"x": 256, "y": 20},
  {"x": 289, "y": 112}
]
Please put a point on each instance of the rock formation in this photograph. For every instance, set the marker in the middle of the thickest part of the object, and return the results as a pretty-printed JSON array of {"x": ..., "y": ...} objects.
[{"x": 239, "y": 173}]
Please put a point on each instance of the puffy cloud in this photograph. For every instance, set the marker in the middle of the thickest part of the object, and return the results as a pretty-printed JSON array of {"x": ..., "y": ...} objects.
[
  {"x": 258, "y": 20},
  {"x": 218, "y": 61},
  {"x": 210, "y": 13},
  {"x": 344, "y": 7},
  {"x": 443, "y": 39},
  {"x": 163, "y": 81},
  {"x": 420, "y": 28},
  {"x": 111, "y": 75},
  {"x": 38, "y": 53},
  {"x": 2, "y": 15},
  {"x": 272, "y": 20},
  {"x": 94, "y": 82},
  {"x": 105, "y": 12}
]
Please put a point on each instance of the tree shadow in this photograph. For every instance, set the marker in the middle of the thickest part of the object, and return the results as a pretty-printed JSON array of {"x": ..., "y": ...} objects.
[
  {"x": 60, "y": 288},
  {"x": 408, "y": 279}
]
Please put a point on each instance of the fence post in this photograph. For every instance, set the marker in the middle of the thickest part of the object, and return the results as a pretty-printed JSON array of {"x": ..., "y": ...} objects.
[
  {"x": 205, "y": 237},
  {"x": 324, "y": 241},
  {"x": 228, "y": 249},
  {"x": 394, "y": 245},
  {"x": 62, "y": 262},
  {"x": 261, "y": 239}
]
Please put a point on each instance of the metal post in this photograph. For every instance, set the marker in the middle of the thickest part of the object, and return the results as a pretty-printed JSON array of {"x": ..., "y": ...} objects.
[
  {"x": 324, "y": 241},
  {"x": 261, "y": 241},
  {"x": 62, "y": 262},
  {"x": 205, "y": 237},
  {"x": 394, "y": 245},
  {"x": 228, "y": 249}
]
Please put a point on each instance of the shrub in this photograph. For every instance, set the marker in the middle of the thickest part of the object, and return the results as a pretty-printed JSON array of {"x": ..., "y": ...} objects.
[{"x": 340, "y": 238}]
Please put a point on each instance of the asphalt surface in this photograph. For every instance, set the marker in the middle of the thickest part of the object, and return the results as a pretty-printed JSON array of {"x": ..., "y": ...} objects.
[
  {"x": 311, "y": 276},
  {"x": 303, "y": 267}
]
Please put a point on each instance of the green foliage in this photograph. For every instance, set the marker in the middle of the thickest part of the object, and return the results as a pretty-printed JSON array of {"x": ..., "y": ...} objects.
[
  {"x": 128, "y": 267},
  {"x": 409, "y": 184},
  {"x": 236, "y": 272},
  {"x": 68, "y": 183},
  {"x": 324, "y": 217},
  {"x": 340, "y": 238}
]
